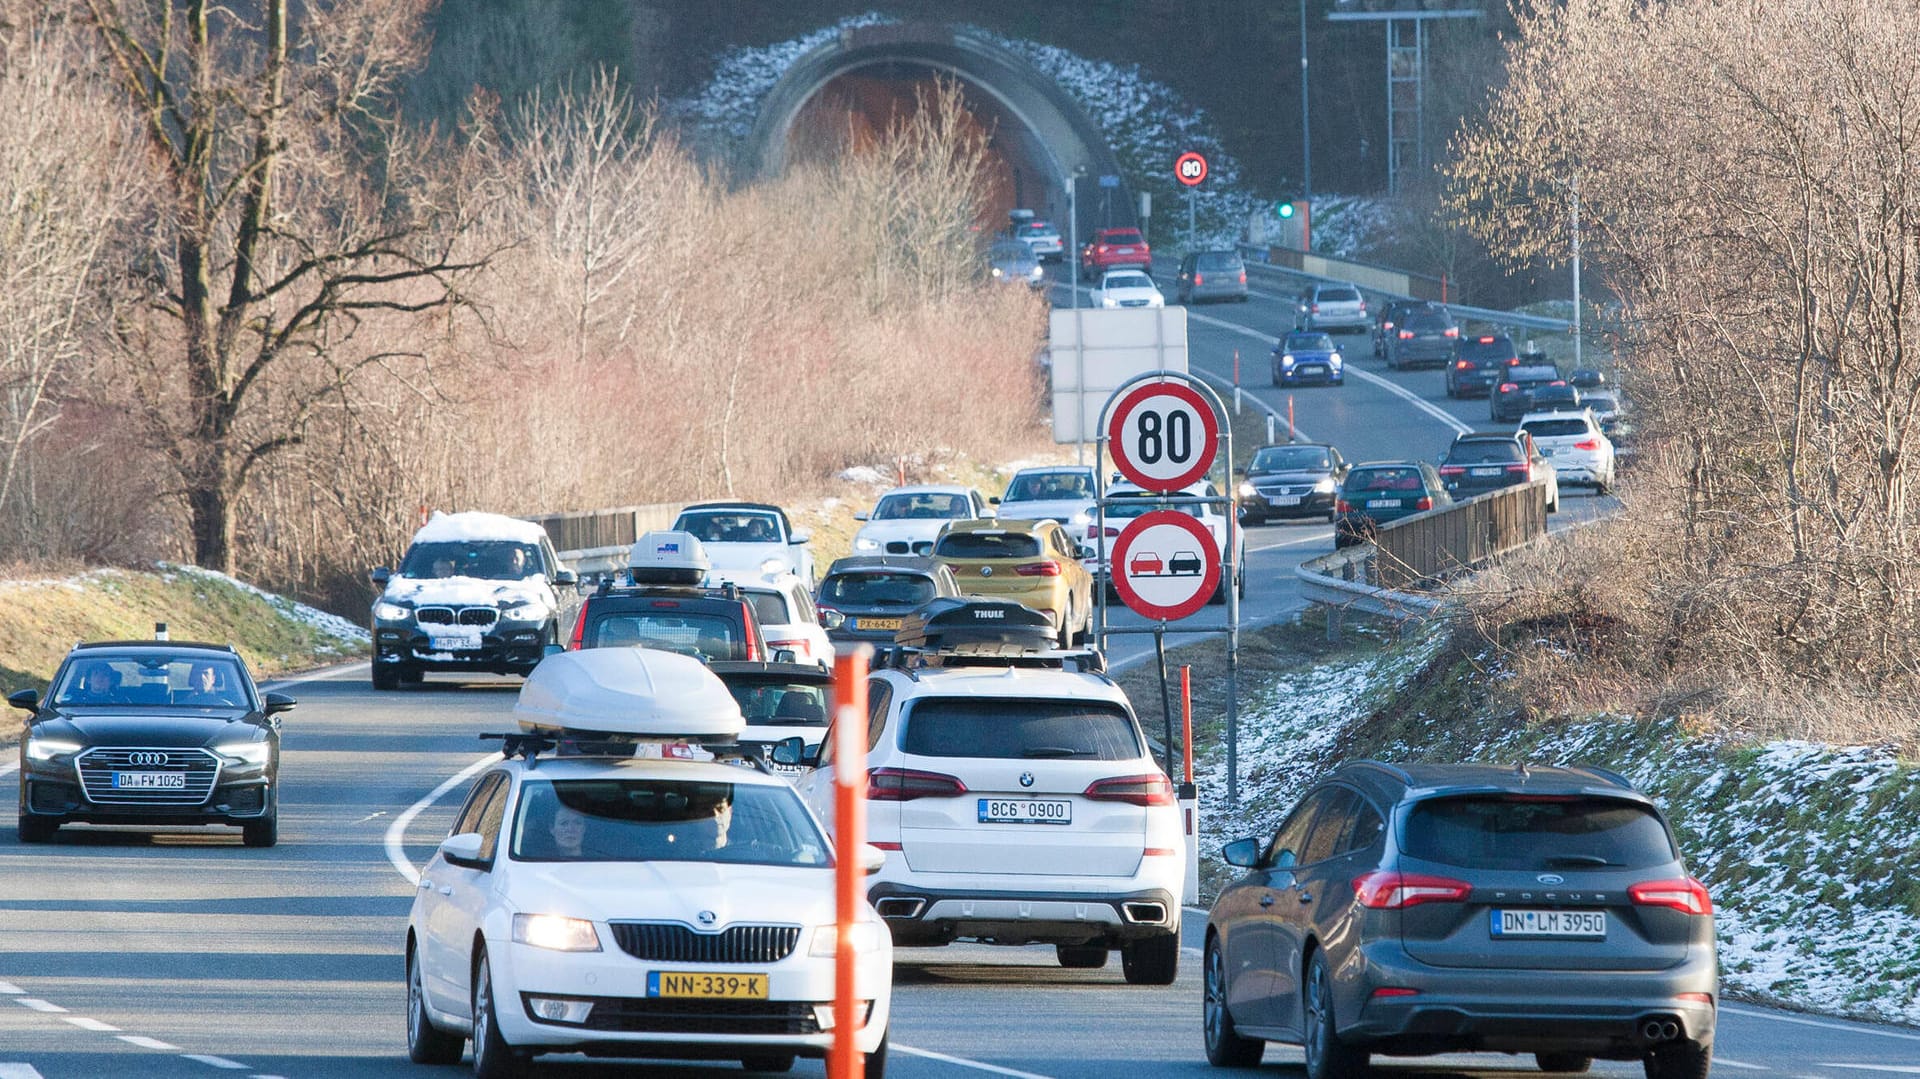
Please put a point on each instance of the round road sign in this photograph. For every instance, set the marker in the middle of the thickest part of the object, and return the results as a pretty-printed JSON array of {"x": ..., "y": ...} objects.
[
  {"x": 1165, "y": 564},
  {"x": 1190, "y": 169},
  {"x": 1163, "y": 435}
]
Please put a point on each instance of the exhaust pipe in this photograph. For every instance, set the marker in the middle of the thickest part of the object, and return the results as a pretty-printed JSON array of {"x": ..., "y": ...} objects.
[
  {"x": 1660, "y": 1030},
  {"x": 896, "y": 907},
  {"x": 1144, "y": 913}
]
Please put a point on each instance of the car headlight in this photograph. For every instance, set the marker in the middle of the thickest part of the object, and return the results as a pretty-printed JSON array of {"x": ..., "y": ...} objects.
[
  {"x": 864, "y": 936},
  {"x": 46, "y": 749},
  {"x": 1335, "y": 361},
  {"x": 256, "y": 753},
  {"x": 1325, "y": 486},
  {"x": 1037, "y": 273},
  {"x": 1107, "y": 301},
  {"x": 863, "y": 543},
  {"x": 1287, "y": 360},
  {"x": 391, "y": 612},
  {"x": 528, "y": 611},
  {"x": 996, "y": 271},
  {"x": 1247, "y": 491},
  {"x": 555, "y": 933}
]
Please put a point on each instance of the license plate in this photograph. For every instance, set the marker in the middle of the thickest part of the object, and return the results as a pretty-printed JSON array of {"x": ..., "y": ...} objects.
[
  {"x": 876, "y": 623},
  {"x": 1546, "y": 451},
  {"x": 149, "y": 781},
  {"x": 1383, "y": 503},
  {"x": 1024, "y": 811},
  {"x": 1486, "y": 471},
  {"x": 1285, "y": 500},
  {"x": 1312, "y": 369},
  {"x": 707, "y": 986},
  {"x": 1548, "y": 923},
  {"x": 455, "y": 644}
]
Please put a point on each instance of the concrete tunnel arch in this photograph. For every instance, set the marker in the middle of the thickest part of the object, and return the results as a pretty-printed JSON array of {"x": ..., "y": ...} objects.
[{"x": 1040, "y": 134}]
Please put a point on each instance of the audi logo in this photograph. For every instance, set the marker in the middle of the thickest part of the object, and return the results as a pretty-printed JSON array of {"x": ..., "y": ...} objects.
[{"x": 147, "y": 760}]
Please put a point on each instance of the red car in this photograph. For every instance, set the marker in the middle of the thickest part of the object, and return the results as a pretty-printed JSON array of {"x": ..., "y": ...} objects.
[{"x": 1111, "y": 248}]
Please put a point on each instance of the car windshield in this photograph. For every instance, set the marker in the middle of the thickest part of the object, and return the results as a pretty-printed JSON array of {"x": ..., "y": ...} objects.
[
  {"x": 1047, "y": 486},
  {"x": 646, "y": 819},
  {"x": 1003, "y": 729},
  {"x": 1484, "y": 451},
  {"x": 730, "y": 527},
  {"x": 1291, "y": 459},
  {"x": 877, "y": 590},
  {"x": 1537, "y": 833},
  {"x": 769, "y": 606},
  {"x": 781, "y": 704},
  {"x": 1554, "y": 428},
  {"x": 489, "y": 560},
  {"x": 1309, "y": 342},
  {"x": 929, "y": 505},
  {"x": 693, "y": 633},
  {"x": 154, "y": 679},
  {"x": 1127, "y": 280},
  {"x": 1384, "y": 479}
]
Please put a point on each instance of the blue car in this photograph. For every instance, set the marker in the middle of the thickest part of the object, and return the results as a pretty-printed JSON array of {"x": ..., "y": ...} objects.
[{"x": 1305, "y": 357}]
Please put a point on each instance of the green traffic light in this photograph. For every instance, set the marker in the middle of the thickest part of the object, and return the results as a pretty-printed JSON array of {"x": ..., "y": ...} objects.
[{"x": 1284, "y": 209}]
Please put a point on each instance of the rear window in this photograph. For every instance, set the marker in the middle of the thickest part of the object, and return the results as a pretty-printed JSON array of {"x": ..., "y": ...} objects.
[
  {"x": 1508, "y": 833},
  {"x": 876, "y": 590},
  {"x": 1426, "y": 321},
  {"x": 1338, "y": 295},
  {"x": 1384, "y": 479},
  {"x": 1124, "y": 236},
  {"x": 987, "y": 545},
  {"x": 1554, "y": 428},
  {"x": 1485, "y": 451},
  {"x": 781, "y": 704},
  {"x": 1020, "y": 730},
  {"x": 769, "y": 608},
  {"x": 711, "y": 635},
  {"x": 1533, "y": 374},
  {"x": 1217, "y": 260}
]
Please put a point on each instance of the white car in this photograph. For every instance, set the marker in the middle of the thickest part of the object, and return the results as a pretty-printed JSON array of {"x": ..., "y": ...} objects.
[
  {"x": 747, "y": 540},
  {"x": 789, "y": 620},
  {"x": 1137, "y": 502},
  {"x": 1042, "y": 238},
  {"x": 1127, "y": 288},
  {"x": 1062, "y": 493},
  {"x": 610, "y": 905},
  {"x": 1574, "y": 444},
  {"x": 906, "y": 519},
  {"x": 1019, "y": 805}
]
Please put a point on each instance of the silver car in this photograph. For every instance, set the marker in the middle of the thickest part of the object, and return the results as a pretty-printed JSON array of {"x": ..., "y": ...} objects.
[
  {"x": 1012, "y": 262},
  {"x": 1212, "y": 275},
  {"x": 1331, "y": 308}
]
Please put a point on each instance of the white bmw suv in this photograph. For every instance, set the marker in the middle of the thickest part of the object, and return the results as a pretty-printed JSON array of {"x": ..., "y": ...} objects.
[{"x": 1019, "y": 805}]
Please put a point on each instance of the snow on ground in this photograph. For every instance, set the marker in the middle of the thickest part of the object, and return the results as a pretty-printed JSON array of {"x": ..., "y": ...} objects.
[
  {"x": 351, "y": 635},
  {"x": 864, "y": 474}
]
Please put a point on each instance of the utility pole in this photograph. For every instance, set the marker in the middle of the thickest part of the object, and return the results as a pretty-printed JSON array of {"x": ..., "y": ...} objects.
[
  {"x": 1576, "y": 271},
  {"x": 1306, "y": 139}
]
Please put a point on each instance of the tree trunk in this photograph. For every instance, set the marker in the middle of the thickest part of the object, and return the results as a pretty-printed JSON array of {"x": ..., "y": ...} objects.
[{"x": 211, "y": 508}]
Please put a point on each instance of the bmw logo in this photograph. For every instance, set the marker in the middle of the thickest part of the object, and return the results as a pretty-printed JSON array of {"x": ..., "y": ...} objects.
[
  {"x": 1551, "y": 878},
  {"x": 986, "y": 571},
  {"x": 706, "y": 917},
  {"x": 1026, "y": 779}
]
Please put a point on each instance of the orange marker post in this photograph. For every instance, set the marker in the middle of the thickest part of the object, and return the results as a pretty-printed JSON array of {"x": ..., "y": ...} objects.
[
  {"x": 1186, "y": 715},
  {"x": 849, "y": 838}
]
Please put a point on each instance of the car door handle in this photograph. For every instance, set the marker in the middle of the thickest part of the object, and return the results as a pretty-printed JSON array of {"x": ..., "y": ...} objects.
[{"x": 1266, "y": 900}]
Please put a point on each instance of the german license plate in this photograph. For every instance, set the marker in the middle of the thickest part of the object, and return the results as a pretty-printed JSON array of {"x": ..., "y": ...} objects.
[
  {"x": 1546, "y": 451},
  {"x": 1025, "y": 811},
  {"x": 455, "y": 644},
  {"x": 1486, "y": 471},
  {"x": 149, "y": 781},
  {"x": 1285, "y": 500},
  {"x": 876, "y": 623},
  {"x": 1383, "y": 503},
  {"x": 707, "y": 986},
  {"x": 1548, "y": 923}
]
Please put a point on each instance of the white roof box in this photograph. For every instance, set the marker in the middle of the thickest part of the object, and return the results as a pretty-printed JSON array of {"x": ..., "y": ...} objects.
[
  {"x": 668, "y": 557},
  {"x": 636, "y": 691}
]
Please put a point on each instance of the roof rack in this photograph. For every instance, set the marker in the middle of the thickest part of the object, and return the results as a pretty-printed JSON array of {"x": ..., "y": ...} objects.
[
  {"x": 610, "y": 584},
  {"x": 532, "y": 745}
]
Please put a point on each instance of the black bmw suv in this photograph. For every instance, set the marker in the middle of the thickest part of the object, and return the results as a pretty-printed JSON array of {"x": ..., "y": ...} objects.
[{"x": 151, "y": 733}]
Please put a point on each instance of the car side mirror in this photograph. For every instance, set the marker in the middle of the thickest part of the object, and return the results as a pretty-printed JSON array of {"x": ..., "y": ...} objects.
[
  {"x": 463, "y": 849},
  {"x": 785, "y": 655},
  {"x": 1241, "y": 852},
  {"x": 1240, "y": 472},
  {"x": 277, "y": 703},
  {"x": 810, "y": 757},
  {"x": 565, "y": 577},
  {"x": 1083, "y": 551},
  {"x": 861, "y": 516},
  {"x": 790, "y": 751},
  {"x": 380, "y": 575},
  {"x": 872, "y": 858},
  {"x": 832, "y": 619},
  {"x": 551, "y": 650},
  {"x": 27, "y": 700},
  {"x": 993, "y": 500},
  {"x": 800, "y": 535}
]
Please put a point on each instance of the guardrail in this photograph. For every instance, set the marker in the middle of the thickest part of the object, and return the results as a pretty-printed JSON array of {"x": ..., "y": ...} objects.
[
  {"x": 596, "y": 542},
  {"x": 1440, "y": 543},
  {"x": 1399, "y": 284}
]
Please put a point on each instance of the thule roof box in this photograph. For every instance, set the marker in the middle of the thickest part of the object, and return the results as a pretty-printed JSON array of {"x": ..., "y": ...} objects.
[{"x": 956, "y": 631}]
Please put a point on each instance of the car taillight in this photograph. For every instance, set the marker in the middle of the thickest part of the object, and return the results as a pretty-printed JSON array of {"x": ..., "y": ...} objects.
[
  {"x": 1390, "y": 890},
  {"x": 746, "y": 619},
  {"x": 1144, "y": 790},
  {"x": 1687, "y": 895},
  {"x": 1093, "y": 532},
  {"x": 1517, "y": 468},
  {"x": 1315, "y": 308},
  {"x": 1363, "y": 307},
  {"x": 1199, "y": 278},
  {"x": 1589, "y": 445},
  {"x": 1508, "y": 387},
  {"x": 579, "y": 637},
  {"x": 1425, "y": 503},
  {"x": 1463, "y": 365},
  {"x": 801, "y": 649},
  {"x": 1453, "y": 470},
  {"x": 906, "y": 784},
  {"x": 1243, "y": 277},
  {"x": 1038, "y": 569},
  {"x": 1340, "y": 506},
  {"x": 1406, "y": 335},
  {"x": 1452, "y": 331}
]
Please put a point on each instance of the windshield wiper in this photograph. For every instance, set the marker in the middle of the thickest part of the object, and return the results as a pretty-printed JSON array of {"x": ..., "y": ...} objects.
[
  {"x": 1049, "y": 752},
  {"x": 1593, "y": 860}
]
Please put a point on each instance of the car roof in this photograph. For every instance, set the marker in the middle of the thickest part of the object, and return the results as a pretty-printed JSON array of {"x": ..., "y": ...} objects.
[
  {"x": 151, "y": 645},
  {"x": 1557, "y": 414},
  {"x": 1385, "y": 464},
  {"x": 1393, "y": 782},
  {"x": 786, "y": 672},
  {"x": 1284, "y": 445},
  {"x": 1006, "y": 682},
  {"x": 763, "y": 507},
  {"x": 1022, "y": 525},
  {"x": 884, "y": 563},
  {"x": 1486, "y": 436}
]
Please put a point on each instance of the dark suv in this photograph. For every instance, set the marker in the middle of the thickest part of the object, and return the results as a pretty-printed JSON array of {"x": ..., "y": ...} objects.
[
  {"x": 709, "y": 623},
  {"x": 1481, "y": 363},
  {"x": 875, "y": 593},
  {"x": 1482, "y": 461},
  {"x": 1425, "y": 337},
  {"x": 1464, "y": 908},
  {"x": 1512, "y": 397}
]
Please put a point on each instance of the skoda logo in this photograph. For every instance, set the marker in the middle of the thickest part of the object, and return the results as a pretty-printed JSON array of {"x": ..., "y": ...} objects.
[
  {"x": 1026, "y": 779},
  {"x": 706, "y": 917},
  {"x": 986, "y": 571},
  {"x": 1551, "y": 878},
  {"x": 147, "y": 760}
]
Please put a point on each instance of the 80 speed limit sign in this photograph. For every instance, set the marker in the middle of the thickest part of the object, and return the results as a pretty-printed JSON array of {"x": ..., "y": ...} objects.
[{"x": 1163, "y": 436}]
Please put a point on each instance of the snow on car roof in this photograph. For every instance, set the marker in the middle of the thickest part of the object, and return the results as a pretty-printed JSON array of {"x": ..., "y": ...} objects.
[
  {"x": 477, "y": 525},
  {"x": 629, "y": 690}
]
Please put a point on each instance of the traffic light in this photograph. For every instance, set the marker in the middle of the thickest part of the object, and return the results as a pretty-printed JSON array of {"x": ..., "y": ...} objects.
[{"x": 1283, "y": 210}]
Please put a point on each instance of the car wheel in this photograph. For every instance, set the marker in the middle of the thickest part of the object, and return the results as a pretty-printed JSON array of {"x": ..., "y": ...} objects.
[
  {"x": 493, "y": 1058},
  {"x": 426, "y": 1043},
  {"x": 1253, "y": 520},
  {"x": 37, "y": 829},
  {"x": 768, "y": 1062},
  {"x": 1686, "y": 1060},
  {"x": 1225, "y": 1047},
  {"x": 265, "y": 831},
  {"x": 1151, "y": 960},
  {"x": 1240, "y": 580},
  {"x": 1276, "y": 378},
  {"x": 1567, "y": 1063},
  {"x": 1066, "y": 628},
  {"x": 1327, "y": 1056},
  {"x": 386, "y": 676},
  {"x": 1081, "y": 956}
]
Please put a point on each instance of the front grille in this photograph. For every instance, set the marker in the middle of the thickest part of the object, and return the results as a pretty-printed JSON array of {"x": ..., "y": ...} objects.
[
  {"x": 1280, "y": 492},
  {"x": 645, "y": 1016},
  {"x": 98, "y": 767},
  {"x": 456, "y": 616},
  {"x": 666, "y": 942}
]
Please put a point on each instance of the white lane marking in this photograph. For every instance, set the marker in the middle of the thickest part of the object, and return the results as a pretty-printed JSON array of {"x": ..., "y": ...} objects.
[
  {"x": 145, "y": 1042},
  {"x": 1318, "y": 536},
  {"x": 1897, "y": 1069},
  {"x": 371, "y": 816},
  {"x": 19, "y": 1071},
  {"x": 85, "y": 1023},
  {"x": 1394, "y": 388},
  {"x": 1722, "y": 1062},
  {"x": 38, "y": 1005},
  {"x": 7, "y": 769},
  {"x": 319, "y": 675},
  {"x": 214, "y": 1062},
  {"x": 1851, "y": 1029},
  {"x": 964, "y": 1062},
  {"x": 8, "y": 989},
  {"x": 397, "y": 831}
]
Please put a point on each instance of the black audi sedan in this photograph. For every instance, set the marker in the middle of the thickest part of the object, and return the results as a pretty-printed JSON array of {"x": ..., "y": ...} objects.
[{"x": 155, "y": 733}]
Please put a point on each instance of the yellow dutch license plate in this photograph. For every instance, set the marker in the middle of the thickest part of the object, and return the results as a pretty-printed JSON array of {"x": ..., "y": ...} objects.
[
  {"x": 707, "y": 986},
  {"x": 879, "y": 623}
]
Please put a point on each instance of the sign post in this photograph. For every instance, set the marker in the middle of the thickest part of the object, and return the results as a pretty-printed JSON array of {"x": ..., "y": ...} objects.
[{"x": 1190, "y": 169}]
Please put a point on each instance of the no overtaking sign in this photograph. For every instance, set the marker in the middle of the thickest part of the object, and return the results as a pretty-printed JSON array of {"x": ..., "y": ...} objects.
[{"x": 1165, "y": 564}]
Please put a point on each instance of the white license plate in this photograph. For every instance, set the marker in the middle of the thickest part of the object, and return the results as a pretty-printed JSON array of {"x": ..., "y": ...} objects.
[
  {"x": 1546, "y": 451},
  {"x": 149, "y": 781},
  {"x": 1591, "y": 924},
  {"x": 1024, "y": 811},
  {"x": 1285, "y": 500},
  {"x": 455, "y": 644},
  {"x": 1486, "y": 471},
  {"x": 1383, "y": 503}
]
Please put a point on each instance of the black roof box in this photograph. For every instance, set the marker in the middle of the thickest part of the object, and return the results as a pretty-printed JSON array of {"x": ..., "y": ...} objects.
[{"x": 950, "y": 622}]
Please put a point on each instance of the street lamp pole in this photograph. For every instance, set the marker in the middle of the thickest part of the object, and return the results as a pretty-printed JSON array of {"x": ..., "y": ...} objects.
[
  {"x": 1306, "y": 141},
  {"x": 1079, "y": 329},
  {"x": 1576, "y": 271}
]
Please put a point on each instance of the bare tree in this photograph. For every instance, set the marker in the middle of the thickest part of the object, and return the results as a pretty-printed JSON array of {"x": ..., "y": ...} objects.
[{"x": 294, "y": 206}]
